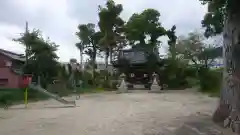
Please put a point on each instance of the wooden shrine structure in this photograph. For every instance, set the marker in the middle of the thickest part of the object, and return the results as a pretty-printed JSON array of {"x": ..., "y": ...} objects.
[{"x": 134, "y": 63}]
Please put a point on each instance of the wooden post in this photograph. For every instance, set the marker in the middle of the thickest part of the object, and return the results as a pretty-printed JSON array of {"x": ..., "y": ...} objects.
[{"x": 27, "y": 80}]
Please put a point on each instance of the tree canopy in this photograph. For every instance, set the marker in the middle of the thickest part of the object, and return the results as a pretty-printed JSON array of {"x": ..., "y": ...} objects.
[
  {"x": 144, "y": 28},
  {"x": 42, "y": 57},
  {"x": 172, "y": 42},
  {"x": 89, "y": 40},
  {"x": 193, "y": 48},
  {"x": 218, "y": 10},
  {"x": 110, "y": 23}
]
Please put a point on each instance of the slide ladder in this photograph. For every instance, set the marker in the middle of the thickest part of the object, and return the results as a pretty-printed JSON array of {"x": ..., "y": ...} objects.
[{"x": 54, "y": 96}]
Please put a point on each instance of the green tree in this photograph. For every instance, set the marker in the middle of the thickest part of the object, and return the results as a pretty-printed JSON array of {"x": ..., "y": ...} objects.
[
  {"x": 89, "y": 40},
  {"x": 89, "y": 44},
  {"x": 110, "y": 25},
  {"x": 209, "y": 55},
  {"x": 42, "y": 57},
  {"x": 221, "y": 14},
  {"x": 144, "y": 29},
  {"x": 80, "y": 47},
  {"x": 193, "y": 49},
  {"x": 172, "y": 42},
  {"x": 224, "y": 17},
  {"x": 190, "y": 47}
]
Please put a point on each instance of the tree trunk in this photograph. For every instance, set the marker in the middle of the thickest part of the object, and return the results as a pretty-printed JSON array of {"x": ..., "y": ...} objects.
[
  {"x": 106, "y": 58},
  {"x": 142, "y": 40},
  {"x": 106, "y": 62},
  {"x": 94, "y": 63},
  {"x": 172, "y": 50},
  {"x": 81, "y": 59},
  {"x": 111, "y": 54},
  {"x": 229, "y": 107}
]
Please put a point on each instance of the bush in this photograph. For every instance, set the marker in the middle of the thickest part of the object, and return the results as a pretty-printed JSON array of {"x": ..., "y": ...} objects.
[
  {"x": 10, "y": 96},
  {"x": 113, "y": 85},
  {"x": 87, "y": 80},
  {"x": 106, "y": 84},
  {"x": 175, "y": 75},
  {"x": 210, "y": 80},
  {"x": 191, "y": 82}
]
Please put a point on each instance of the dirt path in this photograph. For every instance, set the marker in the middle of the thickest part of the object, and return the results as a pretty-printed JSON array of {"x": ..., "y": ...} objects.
[{"x": 138, "y": 113}]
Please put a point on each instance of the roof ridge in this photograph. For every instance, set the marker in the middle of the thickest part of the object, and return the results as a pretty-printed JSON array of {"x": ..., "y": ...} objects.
[
  {"x": 10, "y": 52},
  {"x": 12, "y": 55}
]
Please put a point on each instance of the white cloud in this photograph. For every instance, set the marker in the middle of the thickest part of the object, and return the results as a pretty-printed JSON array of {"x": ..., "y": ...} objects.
[
  {"x": 7, "y": 33},
  {"x": 58, "y": 19}
]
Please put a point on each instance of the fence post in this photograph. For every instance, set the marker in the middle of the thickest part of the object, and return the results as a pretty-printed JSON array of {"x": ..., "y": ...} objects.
[{"x": 26, "y": 97}]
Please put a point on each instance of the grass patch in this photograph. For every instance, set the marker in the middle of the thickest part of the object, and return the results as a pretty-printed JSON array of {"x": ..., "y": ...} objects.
[{"x": 16, "y": 96}]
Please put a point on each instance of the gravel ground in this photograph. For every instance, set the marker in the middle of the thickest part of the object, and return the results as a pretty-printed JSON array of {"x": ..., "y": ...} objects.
[{"x": 138, "y": 113}]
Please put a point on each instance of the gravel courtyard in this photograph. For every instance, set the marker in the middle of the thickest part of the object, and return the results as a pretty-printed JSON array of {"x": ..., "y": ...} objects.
[{"x": 137, "y": 113}]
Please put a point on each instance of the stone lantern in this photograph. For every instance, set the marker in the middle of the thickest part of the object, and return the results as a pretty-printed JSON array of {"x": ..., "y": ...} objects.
[
  {"x": 123, "y": 87},
  {"x": 155, "y": 86}
]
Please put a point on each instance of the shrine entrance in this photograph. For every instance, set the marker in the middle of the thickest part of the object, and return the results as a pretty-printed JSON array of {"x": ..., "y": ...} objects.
[
  {"x": 133, "y": 64},
  {"x": 137, "y": 76}
]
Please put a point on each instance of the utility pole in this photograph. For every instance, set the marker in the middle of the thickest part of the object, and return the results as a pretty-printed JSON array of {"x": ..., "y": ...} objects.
[{"x": 26, "y": 50}]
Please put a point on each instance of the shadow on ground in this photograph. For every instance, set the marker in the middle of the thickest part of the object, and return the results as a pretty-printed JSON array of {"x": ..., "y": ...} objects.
[
  {"x": 199, "y": 127},
  {"x": 194, "y": 125}
]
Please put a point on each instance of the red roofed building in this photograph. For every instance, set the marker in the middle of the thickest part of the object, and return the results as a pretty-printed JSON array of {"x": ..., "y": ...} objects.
[{"x": 10, "y": 69}]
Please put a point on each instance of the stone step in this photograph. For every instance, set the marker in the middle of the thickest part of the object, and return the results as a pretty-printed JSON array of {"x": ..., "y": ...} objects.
[{"x": 138, "y": 87}]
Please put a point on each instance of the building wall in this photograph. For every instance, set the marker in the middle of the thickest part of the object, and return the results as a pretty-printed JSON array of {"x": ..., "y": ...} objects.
[
  {"x": 3, "y": 60},
  {"x": 8, "y": 79}
]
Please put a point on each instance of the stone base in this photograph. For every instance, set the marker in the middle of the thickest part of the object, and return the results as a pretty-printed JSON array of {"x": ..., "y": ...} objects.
[
  {"x": 137, "y": 86},
  {"x": 155, "y": 88},
  {"x": 122, "y": 88}
]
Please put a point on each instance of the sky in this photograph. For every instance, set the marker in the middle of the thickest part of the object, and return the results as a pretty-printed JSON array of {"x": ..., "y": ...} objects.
[{"x": 58, "y": 19}]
